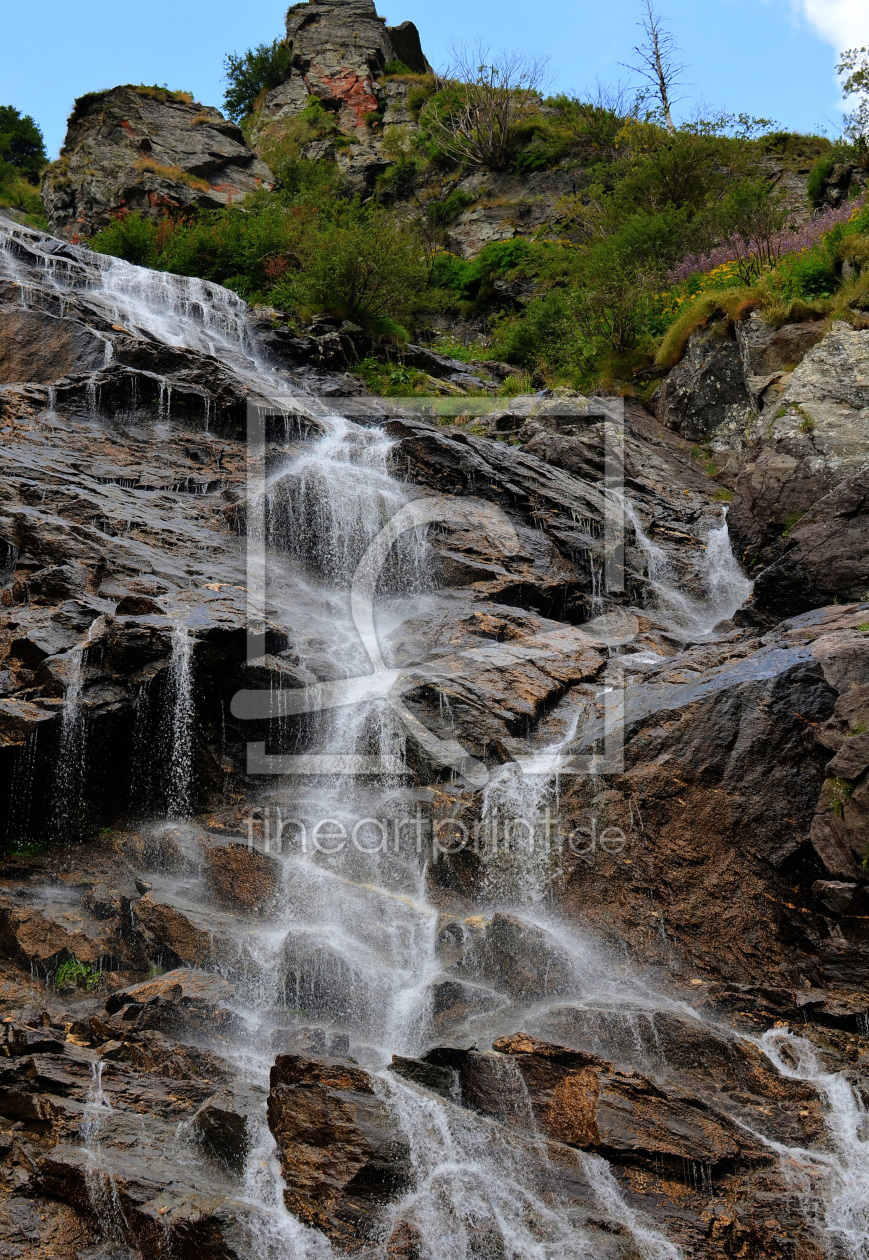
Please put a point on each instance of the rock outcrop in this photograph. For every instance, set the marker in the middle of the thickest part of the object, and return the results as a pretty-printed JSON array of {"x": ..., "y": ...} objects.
[
  {"x": 342, "y": 1152},
  {"x": 800, "y": 509},
  {"x": 148, "y": 150},
  {"x": 339, "y": 48},
  {"x": 339, "y": 51}
]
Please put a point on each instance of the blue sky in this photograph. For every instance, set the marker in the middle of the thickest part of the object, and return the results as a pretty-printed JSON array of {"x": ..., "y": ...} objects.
[{"x": 773, "y": 58}]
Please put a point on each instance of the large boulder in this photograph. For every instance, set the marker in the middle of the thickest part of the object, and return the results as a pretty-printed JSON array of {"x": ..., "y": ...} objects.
[
  {"x": 145, "y": 149},
  {"x": 707, "y": 388},
  {"x": 338, "y": 55}
]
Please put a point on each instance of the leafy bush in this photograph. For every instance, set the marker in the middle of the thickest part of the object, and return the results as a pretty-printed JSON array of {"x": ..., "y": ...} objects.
[
  {"x": 253, "y": 74},
  {"x": 443, "y": 212},
  {"x": 131, "y": 237},
  {"x": 396, "y": 67},
  {"x": 477, "y": 117},
  {"x": 808, "y": 275},
  {"x": 400, "y": 180},
  {"x": 299, "y": 250}
]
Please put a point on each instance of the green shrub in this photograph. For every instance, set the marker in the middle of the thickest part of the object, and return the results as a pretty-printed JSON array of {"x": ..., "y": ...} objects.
[
  {"x": 363, "y": 267},
  {"x": 420, "y": 92},
  {"x": 131, "y": 237},
  {"x": 22, "y": 201},
  {"x": 396, "y": 67},
  {"x": 808, "y": 275},
  {"x": 400, "y": 180},
  {"x": 444, "y": 212},
  {"x": 452, "y": 274},
  {"x": 390, "y": 379},
  {"x": 253, "y": 74},
  {"x": 76, "y": 975},
  {"x": 817, "y": 179}
]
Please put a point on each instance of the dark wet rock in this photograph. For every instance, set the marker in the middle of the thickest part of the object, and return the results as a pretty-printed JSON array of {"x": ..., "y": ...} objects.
[
  {"x": 519, "y": 958},
  {"x": 222, "y": 1126},
  {"x": 18, "y": 1039},
  {"x": 144, "y": 149},
  {"x": 342, "y": 1154},
  {"x": 200, "y": 991},
  {"x": 186, "y": 931},
  {"x": 49, "y": 934},
  {"x": 585, "y": 1102},
  {"x": 826, "y": 553},
  {"x": 440, "y": 1080},
  {"x": 41, "y": 348},
  {"x": 707, "y": 388},
  {"x": 405, "y": 1242},
  {"x": 835, "y": 895}
]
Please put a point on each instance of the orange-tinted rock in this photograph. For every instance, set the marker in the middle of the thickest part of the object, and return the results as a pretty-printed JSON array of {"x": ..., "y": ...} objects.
[
  {"x": 342, "y": 1155},
  {"x": 243, "y": 878}
]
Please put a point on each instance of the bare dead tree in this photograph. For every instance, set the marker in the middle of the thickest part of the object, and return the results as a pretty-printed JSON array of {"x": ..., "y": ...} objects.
[
  {"x": 477, "y": 115},
  {"x": 657, "y": 62}
]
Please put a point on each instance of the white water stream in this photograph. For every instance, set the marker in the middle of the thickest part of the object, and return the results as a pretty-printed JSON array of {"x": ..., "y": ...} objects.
[{"x": 354, "y": 952}]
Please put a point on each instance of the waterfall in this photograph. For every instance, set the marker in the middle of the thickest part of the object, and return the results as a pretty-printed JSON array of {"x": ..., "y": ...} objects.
[
  {"x": 353, "y": 954},
  {"x": 71, "y": 765}
]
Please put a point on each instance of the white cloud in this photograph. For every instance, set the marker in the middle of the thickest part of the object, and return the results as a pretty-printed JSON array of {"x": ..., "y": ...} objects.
[{"x": 842, "y": 23}]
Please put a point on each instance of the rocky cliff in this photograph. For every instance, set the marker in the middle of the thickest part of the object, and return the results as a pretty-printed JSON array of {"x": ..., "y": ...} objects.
[
  {"x": 149, "y": 150},
  {"x": 618, "y": 1010}
]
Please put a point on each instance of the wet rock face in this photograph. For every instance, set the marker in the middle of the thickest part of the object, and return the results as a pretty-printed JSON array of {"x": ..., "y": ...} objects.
[
  {"x": 147, "y": 150},
  {"x": 737, "y": 888},
  {"x": 40, "y": 349},
  {"x": 342, "y": 1153}
]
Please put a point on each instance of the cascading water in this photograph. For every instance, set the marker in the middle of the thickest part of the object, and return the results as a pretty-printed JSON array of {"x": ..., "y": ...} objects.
[
  {"x": 72, "y": 749},
  {"x": 833, "y": 1183},
  {"x": 725, "y": 587},
  {"x": 351, "y": 955},
  {"x": 182, "y": 716}
]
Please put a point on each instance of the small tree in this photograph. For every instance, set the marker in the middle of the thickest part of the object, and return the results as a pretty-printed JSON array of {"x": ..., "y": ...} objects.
[
  {"x": 22, "y": 149},
  {"x": 477, "y": 117},
  {"x": 854, "y": 64},
  {"x": 656, "y": 61},
  {"x": 257, "y": 71}
]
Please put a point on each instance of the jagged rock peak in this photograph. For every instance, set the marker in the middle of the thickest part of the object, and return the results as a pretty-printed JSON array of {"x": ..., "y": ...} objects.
[
  {"x": 141, "y": 148},
  {"x": 339, "y": 52},
  {"x": 352, "y": 34}
]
